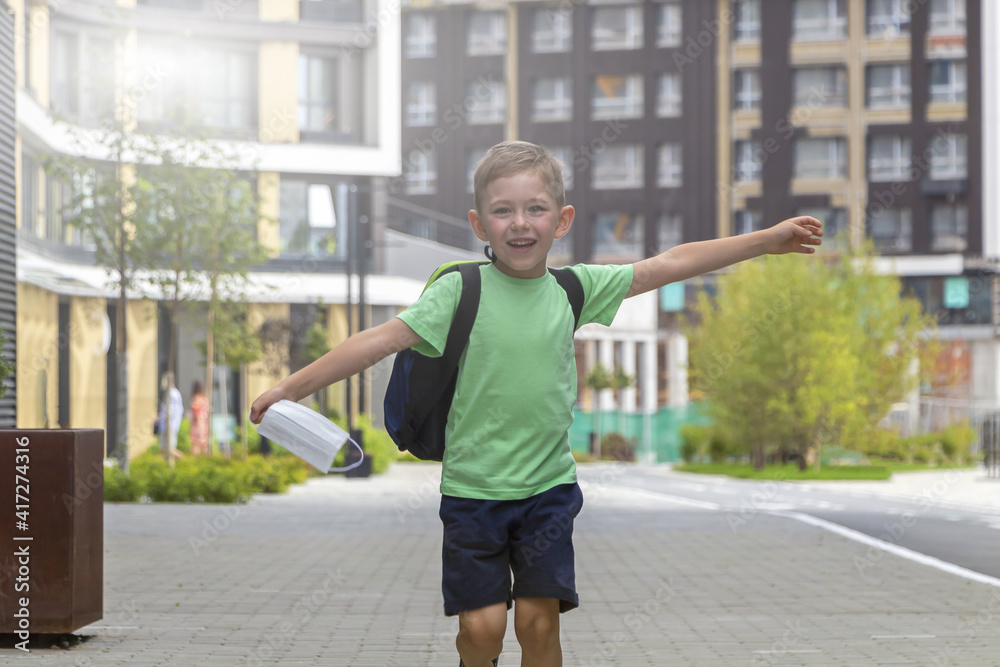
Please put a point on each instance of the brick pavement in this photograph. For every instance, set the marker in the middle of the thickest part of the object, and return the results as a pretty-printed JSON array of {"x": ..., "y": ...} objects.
[{"x": 346, "y": 572}]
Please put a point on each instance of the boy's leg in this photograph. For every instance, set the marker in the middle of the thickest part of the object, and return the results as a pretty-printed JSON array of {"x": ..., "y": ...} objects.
[
  {"x": 480, "y": 634},
  {"x": 536, "y": 623}
]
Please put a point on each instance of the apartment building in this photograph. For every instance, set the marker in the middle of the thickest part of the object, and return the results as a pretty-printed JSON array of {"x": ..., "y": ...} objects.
[
  {"x": 306, "y": 91},
  {"x": 8, "y": 278},
  {"x": 684, "y": 120}
]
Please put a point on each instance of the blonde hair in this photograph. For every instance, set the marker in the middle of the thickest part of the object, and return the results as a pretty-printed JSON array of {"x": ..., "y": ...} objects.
[{"x": 515, "y": 157}]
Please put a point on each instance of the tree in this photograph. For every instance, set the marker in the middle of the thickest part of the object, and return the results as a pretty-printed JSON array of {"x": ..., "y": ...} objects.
[
  {"x": 795, "y": 354},
  {"x": 101, "y": 205}
]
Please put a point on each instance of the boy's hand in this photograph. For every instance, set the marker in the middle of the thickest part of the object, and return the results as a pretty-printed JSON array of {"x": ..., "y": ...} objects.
[
  {"x": 266, "y": 400},
  {"x": 795, "y": 235}
]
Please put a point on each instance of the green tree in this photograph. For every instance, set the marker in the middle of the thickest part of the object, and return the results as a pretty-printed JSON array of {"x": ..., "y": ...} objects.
[
  {"x": 101, "y": 206},
  {"x": 795, "y": 354}
]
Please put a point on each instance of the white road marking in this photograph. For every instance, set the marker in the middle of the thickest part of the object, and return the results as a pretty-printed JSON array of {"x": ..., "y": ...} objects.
[{"x": 895, "y": 549}]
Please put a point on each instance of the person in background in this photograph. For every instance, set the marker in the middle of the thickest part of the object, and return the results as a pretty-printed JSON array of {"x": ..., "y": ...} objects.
[
  {"x": 199, "y": 419},
  {"x": 171, "y": 414}
]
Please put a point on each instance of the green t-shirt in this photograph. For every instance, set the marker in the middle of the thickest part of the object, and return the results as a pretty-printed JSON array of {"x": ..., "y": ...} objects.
[{"x": 507, "y": 434}]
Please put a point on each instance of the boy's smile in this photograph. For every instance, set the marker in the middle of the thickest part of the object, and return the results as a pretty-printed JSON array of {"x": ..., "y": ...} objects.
[{"x": 520, "y": 220}]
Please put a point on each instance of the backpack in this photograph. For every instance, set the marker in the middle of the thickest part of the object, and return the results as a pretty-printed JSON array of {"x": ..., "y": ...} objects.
[{"x": 421, "y": 388}]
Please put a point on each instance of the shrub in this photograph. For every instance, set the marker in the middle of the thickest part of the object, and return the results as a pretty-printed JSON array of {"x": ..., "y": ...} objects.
[
  {"x": 120, "y": 486},
  {"x": 616, "y": 447},
  {"x": 694, "y": 441},
  {"x": 203, "y": 479},
  {"x": 717, "y": 448}
]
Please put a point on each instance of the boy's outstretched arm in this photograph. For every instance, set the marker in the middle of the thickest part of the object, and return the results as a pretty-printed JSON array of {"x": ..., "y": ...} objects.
[
  {"x": 360, "y": 351},
  {"x": 693, "y": 259}
]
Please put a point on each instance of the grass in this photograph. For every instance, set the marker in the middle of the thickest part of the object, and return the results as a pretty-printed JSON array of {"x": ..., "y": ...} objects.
[
  {"x": 911, "y": 467},
  {"x": 787, "y": 472}
]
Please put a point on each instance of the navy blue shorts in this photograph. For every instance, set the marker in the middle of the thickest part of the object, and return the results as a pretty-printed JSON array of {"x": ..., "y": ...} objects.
[{"x": 485, "y": 541}]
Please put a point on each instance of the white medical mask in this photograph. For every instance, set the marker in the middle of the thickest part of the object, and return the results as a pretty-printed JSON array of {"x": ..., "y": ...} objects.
[{"x": 307, "y": 434}]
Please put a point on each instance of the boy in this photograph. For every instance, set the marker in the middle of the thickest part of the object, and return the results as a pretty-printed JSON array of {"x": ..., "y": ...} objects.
[{"x": 508, "y": 474}]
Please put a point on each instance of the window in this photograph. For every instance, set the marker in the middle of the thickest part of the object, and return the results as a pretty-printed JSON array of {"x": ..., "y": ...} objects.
[
  {"x": 746, "y": 221},
  {"x": 617, "y": 97},
  {"x": 889, "y": 158},
  {"x": 819, "y": 86},
  {"x": 617, "y": 28},
  {"x": 472, "y": 158},
  {"x": 668, "y": 96},
  {"x": 824, "y": 157},
  {"x": 421, "y": 173},
  {"x": 618, "y": 237},
  {"x": 227, "y": 90},
  {"x": 83, "y": 76},
  {"x": 670, "y": 170},
  {"x": 747, "y": 20},
  {"x": 489, "y": 101},
  {"x": 552, "y": 31},
  {"x": 948, "y": 80},
  {"x": 949, "y": 153},
  {"x": 891, "y": 229},
  {"x": 421, "y": 36},
  {"x": 669, "y": 232},
  {"x": 819, "y": 20},
  {"x": 834, "y": 224},
  {"x": 308, "y": 219},
  {"x": 619, "y": 167},
  {"x": 324, "y": 113},
  {"x": 565, "y": 157},
  {"x": 668, "y": 24},
  {"x": 421, "y": 104},
  {"x": 337, "y": 11},
  {"x": 889, "y": 86},
  {"x": 947, "y": 17},
  {"x": 747, "y": 89},
  {"x": 888, "y": 18},
  {"x": 553, "y": 100},
  {"x": 29, "y": 194},
  {"x": 949, "y": 227},
  {"x": 486, "y": 33},
  {"x": 749, "y": 159}
]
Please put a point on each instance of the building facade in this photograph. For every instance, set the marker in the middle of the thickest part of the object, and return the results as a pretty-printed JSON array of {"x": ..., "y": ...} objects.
[
  {"x": 305, "y": 92},
  {"x": 681, "y": 120}
]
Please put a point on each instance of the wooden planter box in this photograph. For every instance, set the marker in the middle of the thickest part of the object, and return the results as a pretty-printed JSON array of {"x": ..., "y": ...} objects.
[{"x": 51, "y": 530}]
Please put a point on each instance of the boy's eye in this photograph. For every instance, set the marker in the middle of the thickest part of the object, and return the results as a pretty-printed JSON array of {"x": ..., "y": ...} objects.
[{"x": 503, "y": 210}]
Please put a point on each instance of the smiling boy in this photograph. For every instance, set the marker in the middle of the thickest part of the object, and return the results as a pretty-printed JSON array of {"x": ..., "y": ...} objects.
[{"x": 508, "y": 475}]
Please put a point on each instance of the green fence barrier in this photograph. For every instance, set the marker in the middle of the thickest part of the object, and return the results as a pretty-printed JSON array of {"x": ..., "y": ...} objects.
[{"x": 659, "y": 434}]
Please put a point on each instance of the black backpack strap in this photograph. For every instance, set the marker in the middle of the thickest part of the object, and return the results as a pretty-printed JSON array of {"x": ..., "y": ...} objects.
[
  {"x": 446, "y": 365},
  {"x": 574, "y": 291},
  {"x": 465, "y": 314}
]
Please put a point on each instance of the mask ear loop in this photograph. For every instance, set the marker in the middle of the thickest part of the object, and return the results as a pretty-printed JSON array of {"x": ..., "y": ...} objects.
[{"x": 490, "y": 255}]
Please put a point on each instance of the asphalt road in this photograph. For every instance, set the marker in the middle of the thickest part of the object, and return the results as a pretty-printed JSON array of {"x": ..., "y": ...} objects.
[{"x": 966, "y": 537}]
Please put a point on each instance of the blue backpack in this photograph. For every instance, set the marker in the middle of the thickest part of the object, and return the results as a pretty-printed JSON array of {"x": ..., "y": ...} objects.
[{"x": 421, "y": 388}]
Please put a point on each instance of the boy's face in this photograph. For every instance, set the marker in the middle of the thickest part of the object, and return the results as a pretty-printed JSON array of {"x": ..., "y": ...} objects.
[{"x": 520, "y": 221}]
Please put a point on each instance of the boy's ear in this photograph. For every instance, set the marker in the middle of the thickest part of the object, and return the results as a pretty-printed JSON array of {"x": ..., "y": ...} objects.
[
  {"x": 477, "y": 225},
  {"x": 566, "y": 216}
]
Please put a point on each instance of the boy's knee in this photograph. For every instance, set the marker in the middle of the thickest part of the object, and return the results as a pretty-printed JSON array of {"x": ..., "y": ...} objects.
[
  {"x": 483, "y": 632},
  {"x": 536, "y": 629}
]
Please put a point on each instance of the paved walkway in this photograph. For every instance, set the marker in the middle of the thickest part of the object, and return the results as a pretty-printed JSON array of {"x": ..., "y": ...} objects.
[{"x": 346, "y": 572}]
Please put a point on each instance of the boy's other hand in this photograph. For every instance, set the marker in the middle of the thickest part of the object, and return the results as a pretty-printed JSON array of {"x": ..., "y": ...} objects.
[
  {"x": 266, "y": 400},
  {"x": 795, "y": 235}
]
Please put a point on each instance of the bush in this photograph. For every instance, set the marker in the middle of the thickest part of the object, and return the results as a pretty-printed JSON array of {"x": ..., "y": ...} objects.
[
  {"x": 694, "y": 441},
  {"x": 616, "y": 447},
  {"x": 121, "y": 487},
  {"x": 717, "y": 449},
  {"x": 203, "y": 479}
]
